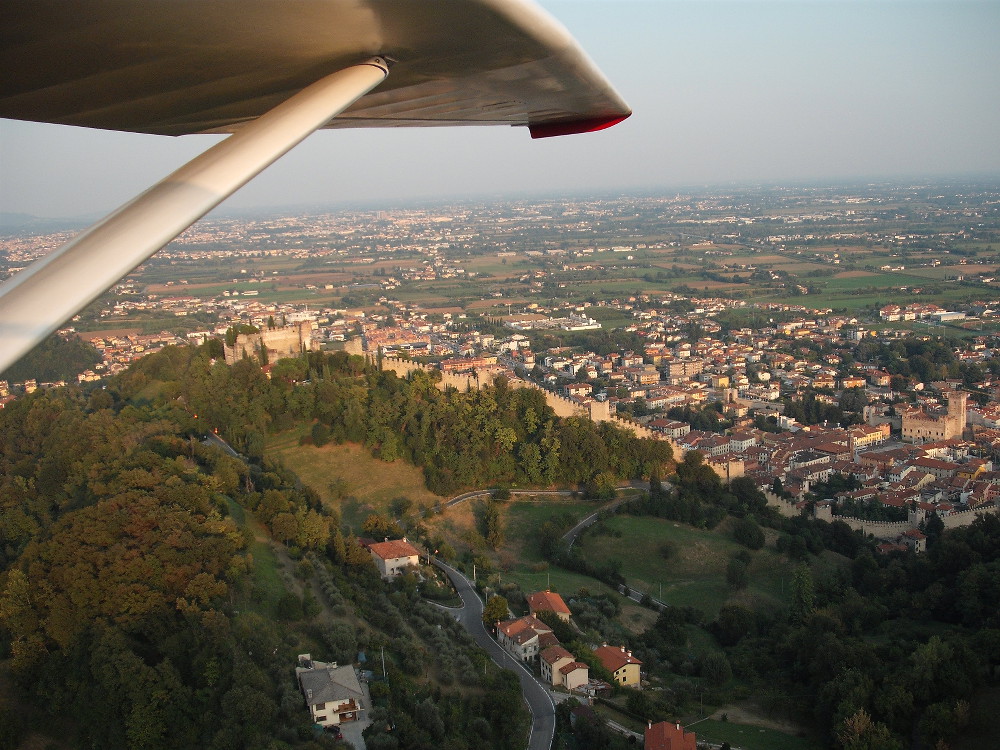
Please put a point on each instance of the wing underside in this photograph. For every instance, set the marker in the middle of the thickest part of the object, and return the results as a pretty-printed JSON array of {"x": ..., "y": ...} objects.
[{"x": 175, "y": 67}]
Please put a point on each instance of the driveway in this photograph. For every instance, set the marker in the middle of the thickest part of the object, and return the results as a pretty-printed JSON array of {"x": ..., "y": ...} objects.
[{"x": 470, "y": 615}]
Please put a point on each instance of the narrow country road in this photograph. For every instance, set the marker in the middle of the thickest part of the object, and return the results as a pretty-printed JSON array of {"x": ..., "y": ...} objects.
[
  {"x": 570, "y": 536},
  {"x": 565, "y": 493},
  {"x": 470, "y": 616}
]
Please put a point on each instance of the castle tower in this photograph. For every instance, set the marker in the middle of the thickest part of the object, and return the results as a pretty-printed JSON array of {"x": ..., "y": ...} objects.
[{"x": 956, "y": 412}]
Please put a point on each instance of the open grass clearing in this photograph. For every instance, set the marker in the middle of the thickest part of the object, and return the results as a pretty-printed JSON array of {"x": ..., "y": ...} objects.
[
  {"x": 524, "y": 517},
  {"x": 695, "y": 573},
  {"x": 369, "y": 484},
  {"x": 268, "y": 587},
  {"x": 749, "y": 737}
]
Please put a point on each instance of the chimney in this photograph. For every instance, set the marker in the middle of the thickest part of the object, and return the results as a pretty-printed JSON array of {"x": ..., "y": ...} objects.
[{"x": 649, "y": 724}]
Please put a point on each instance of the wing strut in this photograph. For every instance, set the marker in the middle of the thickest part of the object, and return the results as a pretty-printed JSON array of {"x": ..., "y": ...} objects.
[{"x": 45, "y": 295}]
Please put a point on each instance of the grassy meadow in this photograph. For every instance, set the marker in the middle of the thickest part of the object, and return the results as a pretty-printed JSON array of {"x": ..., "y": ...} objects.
[
  {"x": 694, "y": 574},
  {"x": 348, "y": 478}
]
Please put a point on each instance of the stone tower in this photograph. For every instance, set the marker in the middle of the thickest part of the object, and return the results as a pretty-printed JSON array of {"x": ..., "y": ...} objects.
[{"x": 956, "y": 411}]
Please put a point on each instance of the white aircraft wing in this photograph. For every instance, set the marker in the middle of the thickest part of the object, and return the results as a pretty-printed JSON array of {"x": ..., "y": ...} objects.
[
  {"x": 270, "y": 72},
  {"x": 175, "y": 67}
]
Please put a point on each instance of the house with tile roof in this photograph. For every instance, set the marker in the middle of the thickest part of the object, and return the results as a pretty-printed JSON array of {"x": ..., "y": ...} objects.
[
  {"x": 525, "y": 637},
  {"x": 548, "y": 601},
  {"x": 333, "y": 694},
  {"x": 393, "y": 556},
  {"x": 574, "y": 675},
  {"x": 666, "y": 735},
  {"x": 621, "y": 664},
  {"x": 551, "y": 660}
]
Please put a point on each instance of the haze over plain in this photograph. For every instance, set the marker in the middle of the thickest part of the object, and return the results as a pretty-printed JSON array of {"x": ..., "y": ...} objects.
[{"x": 744, "y": 92}]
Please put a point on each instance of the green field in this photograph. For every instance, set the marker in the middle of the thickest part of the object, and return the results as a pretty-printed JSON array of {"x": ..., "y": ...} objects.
[
  {"x": 268, "y": 587},
  {"x": 696, "y": 574},
  {"x": 748, "y": 737},
  {"x": 610, "y": 317},
  {"x": 369, "y": 484},
  {"x": 885, "y": 280}
]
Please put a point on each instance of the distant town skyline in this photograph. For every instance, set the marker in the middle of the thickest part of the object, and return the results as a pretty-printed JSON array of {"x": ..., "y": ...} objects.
[{"x": 723, "y": 92}]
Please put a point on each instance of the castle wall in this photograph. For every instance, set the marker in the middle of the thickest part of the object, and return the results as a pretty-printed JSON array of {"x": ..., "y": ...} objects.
[{"x": 289, "y": 341}]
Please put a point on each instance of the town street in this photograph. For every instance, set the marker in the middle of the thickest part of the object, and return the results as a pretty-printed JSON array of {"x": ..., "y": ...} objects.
[{"x": 470, "y": 615}]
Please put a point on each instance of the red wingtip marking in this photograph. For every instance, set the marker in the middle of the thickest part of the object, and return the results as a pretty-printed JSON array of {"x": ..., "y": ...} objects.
[{"x": 572, "y": 127}]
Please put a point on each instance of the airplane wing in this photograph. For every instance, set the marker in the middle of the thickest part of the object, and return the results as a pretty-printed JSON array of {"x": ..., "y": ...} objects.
[
  {"x": 270, "y": 72},
  {"x": 175, "y": 67}
]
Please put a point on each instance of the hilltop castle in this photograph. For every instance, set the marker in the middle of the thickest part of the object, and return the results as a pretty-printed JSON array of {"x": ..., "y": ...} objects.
[
  {"x": 287, "y": 341},
  {"x": 922, "y": 426}
]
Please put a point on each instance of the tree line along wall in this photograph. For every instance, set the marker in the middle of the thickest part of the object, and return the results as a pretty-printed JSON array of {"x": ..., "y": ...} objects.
[{"x": 597, "y": 411}]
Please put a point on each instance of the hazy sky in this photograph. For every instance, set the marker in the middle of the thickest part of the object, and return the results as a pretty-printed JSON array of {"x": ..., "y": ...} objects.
[{"x": 744, "y": 91}]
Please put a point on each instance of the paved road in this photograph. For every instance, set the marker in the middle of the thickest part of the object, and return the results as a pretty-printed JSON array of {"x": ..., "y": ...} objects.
[
  {"x": 470, "y": 615},
  {"x": 565, "y": 493},
  {"x": 218, "y": 442},
  {"x": 570, "y": 536}
]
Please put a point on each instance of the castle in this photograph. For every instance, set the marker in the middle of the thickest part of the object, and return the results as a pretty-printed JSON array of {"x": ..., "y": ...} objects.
[
  {"x": 921, "y": 426},
  {"x": 287, "y": 341}
]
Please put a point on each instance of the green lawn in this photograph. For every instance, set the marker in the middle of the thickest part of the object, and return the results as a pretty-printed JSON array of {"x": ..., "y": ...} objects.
[
  {"x": 562, "y": 581},
  {"x": 749, "y": 737},
  {"x": 696, "y": 574},
  {"x": 609, "y": 317},
  {"x": 525, "y": 517},
  {"x": 268, "y": 588}
]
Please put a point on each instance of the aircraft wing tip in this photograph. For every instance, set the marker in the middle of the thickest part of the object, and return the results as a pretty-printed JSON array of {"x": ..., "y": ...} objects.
[{"x": 572, "y": 127}]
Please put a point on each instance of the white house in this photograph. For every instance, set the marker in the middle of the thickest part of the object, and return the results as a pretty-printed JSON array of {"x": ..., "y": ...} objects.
[
  {"x": 332, "y": 693},
  {"x": 393, "y": 556}
]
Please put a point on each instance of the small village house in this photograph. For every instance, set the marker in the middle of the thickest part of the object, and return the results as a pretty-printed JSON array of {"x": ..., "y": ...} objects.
[{"x": 333, "y": 693}]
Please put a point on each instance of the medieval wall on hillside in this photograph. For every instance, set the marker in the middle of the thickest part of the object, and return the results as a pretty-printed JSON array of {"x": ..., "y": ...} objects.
[{"x": 288, "y": 341}]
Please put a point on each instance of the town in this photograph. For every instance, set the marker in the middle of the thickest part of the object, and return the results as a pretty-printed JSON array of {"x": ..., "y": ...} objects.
[
  {"x": 816, "y": 368},
  {"x": 898, "y": 403}
]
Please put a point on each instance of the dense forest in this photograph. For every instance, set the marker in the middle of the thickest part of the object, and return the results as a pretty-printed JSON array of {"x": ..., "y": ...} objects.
[
  {"x": 56, "y": 358},
  {"x": 495, "y": 436},
  {"x": 135, "y": 600}
]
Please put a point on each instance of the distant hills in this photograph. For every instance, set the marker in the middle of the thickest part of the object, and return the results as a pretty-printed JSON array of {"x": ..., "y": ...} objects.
[{"x": 15, "y": 222}]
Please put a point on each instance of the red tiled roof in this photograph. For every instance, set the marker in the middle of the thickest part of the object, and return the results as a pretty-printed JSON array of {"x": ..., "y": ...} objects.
[
  {"x": 554, "y": 653},
  {"x": 394, "y": 549},
  {"x": 542, "y": 601},
  {"x": 668, "y": 736},
  {"x": 614, "y": 658}
]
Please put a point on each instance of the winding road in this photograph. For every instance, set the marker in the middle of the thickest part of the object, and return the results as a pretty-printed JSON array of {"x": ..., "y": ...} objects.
[{"x": 470, "y": 616}]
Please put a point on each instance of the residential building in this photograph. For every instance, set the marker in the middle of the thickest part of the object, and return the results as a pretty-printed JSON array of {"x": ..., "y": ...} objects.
[
  {"x": 525, "y": 637},
  {"x": 621, "y": 664},
  {"x": 574, "y": 675},
  {"x": 333, "y": 693},
  {"x": 393, "y": 556},
  {"x": 551, "y": 660},
  {"x": 548, "y": 601},
  {"x": 666, "y": 735}
]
